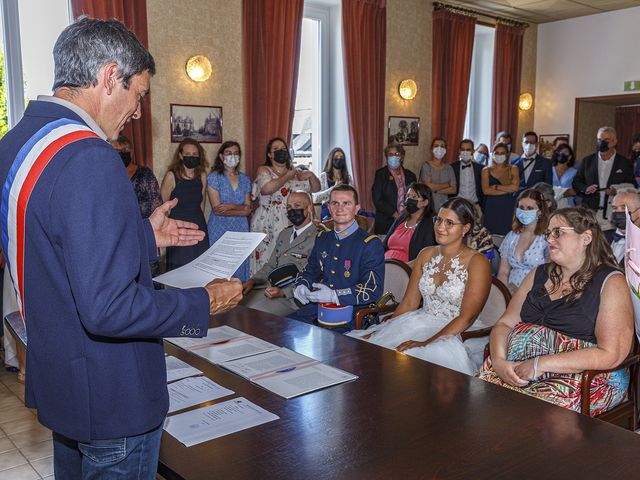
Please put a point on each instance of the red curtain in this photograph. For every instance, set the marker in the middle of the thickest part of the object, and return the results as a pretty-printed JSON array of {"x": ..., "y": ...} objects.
[
  {"x": 507, "y": 71},
  {"x": 364, "y": 39},
  {"x": 453, "y": 36},
  {"x": 627, "y": 127},
  {"x": 271, "y": 31},
  {"x": 133, "y": 13}
]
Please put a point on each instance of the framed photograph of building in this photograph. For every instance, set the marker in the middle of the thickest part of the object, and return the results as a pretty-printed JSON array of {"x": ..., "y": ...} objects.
[
  {"x": 404, "y": 130},
  {"x": 200, "y": 122},
  {"x": 546, "y": 143}
]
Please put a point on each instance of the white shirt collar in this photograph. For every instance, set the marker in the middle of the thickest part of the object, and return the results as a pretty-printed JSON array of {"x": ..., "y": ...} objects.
[
  {"x": 302, "y": 229},
  {"x": 91, "y": 123}
]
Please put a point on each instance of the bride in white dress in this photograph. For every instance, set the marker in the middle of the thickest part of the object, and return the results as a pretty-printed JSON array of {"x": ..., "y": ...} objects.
[{"x": 453, "y": 282}]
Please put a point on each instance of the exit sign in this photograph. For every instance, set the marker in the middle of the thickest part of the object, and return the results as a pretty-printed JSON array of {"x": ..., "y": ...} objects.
[{"x": 632, "y": 85}]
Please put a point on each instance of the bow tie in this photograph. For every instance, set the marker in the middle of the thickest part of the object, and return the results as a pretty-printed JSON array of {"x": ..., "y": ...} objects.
[
  {"x": 466, "y": 166},
  {"x": 617, "y": 236}
]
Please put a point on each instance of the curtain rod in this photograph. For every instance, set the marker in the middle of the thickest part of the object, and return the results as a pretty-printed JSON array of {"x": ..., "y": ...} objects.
[{"x": 467, "y": 11}]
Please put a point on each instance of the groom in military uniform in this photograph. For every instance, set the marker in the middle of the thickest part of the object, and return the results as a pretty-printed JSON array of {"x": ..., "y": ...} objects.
[{"x": 345, "y": 268}]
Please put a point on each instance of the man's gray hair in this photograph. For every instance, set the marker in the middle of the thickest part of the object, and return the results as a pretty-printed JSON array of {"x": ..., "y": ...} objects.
[
  {"x": 88, "y": 44},
  {"x": 610, "y": 130}
]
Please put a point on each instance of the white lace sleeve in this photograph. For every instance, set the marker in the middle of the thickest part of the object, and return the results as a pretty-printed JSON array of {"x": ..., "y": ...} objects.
[
  {"x": 260, "y": 181},
  {"x": 325, "y": 190}
]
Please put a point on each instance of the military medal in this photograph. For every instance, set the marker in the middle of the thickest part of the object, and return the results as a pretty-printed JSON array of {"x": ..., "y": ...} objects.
[{"x": 347, "y": 266}]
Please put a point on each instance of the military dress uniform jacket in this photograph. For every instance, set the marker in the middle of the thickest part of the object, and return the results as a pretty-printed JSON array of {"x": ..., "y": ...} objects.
[{"x": 96, "y": 367}]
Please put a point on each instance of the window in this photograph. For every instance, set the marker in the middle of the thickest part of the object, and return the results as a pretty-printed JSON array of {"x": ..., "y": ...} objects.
[{"x": 478, "y": 120}]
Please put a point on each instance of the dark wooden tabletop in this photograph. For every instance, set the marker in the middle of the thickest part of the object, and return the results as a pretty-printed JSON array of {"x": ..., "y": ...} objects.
[{"x": 403, "y": 418}]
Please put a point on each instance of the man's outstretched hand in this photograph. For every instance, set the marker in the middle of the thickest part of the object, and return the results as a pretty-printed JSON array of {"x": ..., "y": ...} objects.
[{"x": 170, "y": 232}]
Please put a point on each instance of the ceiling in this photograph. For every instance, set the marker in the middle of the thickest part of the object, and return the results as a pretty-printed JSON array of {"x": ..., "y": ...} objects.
[{"x": 542, "y": 11}]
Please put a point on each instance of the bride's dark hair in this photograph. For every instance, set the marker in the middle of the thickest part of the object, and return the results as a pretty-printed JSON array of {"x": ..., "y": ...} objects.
[{"x": 463, "y": 210}]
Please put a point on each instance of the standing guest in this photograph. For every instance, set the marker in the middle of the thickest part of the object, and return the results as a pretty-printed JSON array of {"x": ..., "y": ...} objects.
[
  {"x": 438, "y": 175},
  {"x": 101, "y": 386},
  {"x": 229, "y": 192},
  {"x": 559, "y": 141},
  {"x": 390, "y": 188},
  {"x": 413, "y": 230},
  {"x": 481, "y": 155},
  {"x": 293, "y": 247},
  {"x": 629, "y": 200},
  {"x": 186, "y": 180},
  {"x": 635, "y": 157},
  {"x": 597, "y": 175},
  {"x": 335, "y": 172},
  {"x": 274, "y": 181},
  {"x": 345, "y": 268},
  {"x": 563, "y": 161},
  {"x": 524, "y": 247},
  {"x": 499, "y": 182},
  {"x": 469, "y": 177},
  {"x": 533, "y": 167},
  {"x": 505, "y": 138},
  {"x": 145, "y": 185}
]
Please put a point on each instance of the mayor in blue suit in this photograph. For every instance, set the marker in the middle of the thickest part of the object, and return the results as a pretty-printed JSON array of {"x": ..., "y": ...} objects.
[
  {"x": 79, "y": 252},
  {"x": 534, "y": 168}
]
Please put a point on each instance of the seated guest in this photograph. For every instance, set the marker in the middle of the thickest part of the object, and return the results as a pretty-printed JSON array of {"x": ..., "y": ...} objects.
[
  {"x": 548, "y": 193},
  {"x": 630, "y": 200},
  {"x": 504, "y": 137},
  {"x": 452, "y": 281},
  {"x": 345, "y": 268},
  {"x": 437, "y": 174},
  {"x": 335, "y": 172},
  {"x": 293, "y": 246},
  {"x": 570, "y": 315},
  {"x": 413, "y": 230},
  {"x": 524, "y": 247},
  {"x": 390, "y": 188},
  {"x": 468, "y": 176},
  {"x": 499, "y": 182},
  {"x": 533, "y": 167},
  {"x": 481, "y": 155},
  {"x": 562, "y": 161}
]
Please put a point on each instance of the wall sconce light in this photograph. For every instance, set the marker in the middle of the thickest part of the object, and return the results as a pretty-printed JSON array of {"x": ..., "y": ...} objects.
[
  {"x": 526, "y": 102},
  {"x": 408, "y": 89},
  {"x": 198, "y": 68}
]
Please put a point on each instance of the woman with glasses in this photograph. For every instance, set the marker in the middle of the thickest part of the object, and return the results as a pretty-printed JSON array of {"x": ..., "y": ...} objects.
[
  {"x": 452, "y": 281},
  {"x": 524, "y": 247},
  {"x": 413, "y": 230},
  {"x": 499, "y": 182},
  {"x": 569, "y": 315}
]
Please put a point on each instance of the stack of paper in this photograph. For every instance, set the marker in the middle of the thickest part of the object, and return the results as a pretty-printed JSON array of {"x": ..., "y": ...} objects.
[
  {"x": 177, "y": 369},
  {"x": 192, "y": 391},
  {"x": 287, "y": 373}
]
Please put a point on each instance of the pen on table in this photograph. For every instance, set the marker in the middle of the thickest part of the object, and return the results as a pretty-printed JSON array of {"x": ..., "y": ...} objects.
[{"x": 290, "y": 369}]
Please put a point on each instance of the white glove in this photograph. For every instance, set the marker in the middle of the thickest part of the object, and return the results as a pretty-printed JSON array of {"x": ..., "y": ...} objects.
[
  {"x": 323, "y": 295},
  {"x": 301, "y": 293}
]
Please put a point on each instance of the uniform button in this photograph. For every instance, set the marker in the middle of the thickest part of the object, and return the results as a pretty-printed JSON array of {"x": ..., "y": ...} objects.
[
  {"x": 335, "y": 258},
  {"x": 285, "y": 254},
  {"x": 331, "y": 285},
  {"x": 333, "y": 272},
  {"x": 337, "y": 244}
]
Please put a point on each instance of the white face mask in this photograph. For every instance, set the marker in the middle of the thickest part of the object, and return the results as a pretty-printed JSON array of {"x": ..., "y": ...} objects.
[
  {"x": 499, "y": 159},
  {"x": 439, "y": 152},
  {"x": 529, "y": 148},
  {"x": 466, "y": 157},
  {"x": 231, "y": 161}
]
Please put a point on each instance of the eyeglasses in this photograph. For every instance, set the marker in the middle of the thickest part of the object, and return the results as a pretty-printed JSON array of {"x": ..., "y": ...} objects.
[
  {"x": 447, "y": 223},
  {"x": 556, "y": 232}
]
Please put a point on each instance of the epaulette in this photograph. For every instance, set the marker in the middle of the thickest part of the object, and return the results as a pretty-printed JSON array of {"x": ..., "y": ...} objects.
[
  {"x": 321, "y": 232},
  {"x": 369, "y": 238}
]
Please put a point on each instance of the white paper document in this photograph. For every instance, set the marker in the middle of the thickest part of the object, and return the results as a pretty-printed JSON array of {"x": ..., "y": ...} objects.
[
  {"x": 233, "y": 349},
  {"x": 214, "y": 421},
  {"x": 221, "y": 260},
  {"x": 287, "y": 373},
  {"x": 177, "y": 369},
  {"x": 192, "y": 391},
  {"x": 214, "y": 336}
]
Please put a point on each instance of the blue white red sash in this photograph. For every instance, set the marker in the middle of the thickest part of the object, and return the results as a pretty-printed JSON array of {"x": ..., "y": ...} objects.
[{"x": 32, "y": 159}]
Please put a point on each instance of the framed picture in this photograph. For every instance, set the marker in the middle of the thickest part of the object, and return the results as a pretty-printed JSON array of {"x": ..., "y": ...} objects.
[
  {"x": 546, "y": 143},
  {"x": 404, "y": 130},
  {"x": 200, "y": 122}
]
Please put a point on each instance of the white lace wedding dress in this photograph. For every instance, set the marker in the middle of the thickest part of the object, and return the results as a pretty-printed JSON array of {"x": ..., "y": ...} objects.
[{"x": 441, "y": 304}]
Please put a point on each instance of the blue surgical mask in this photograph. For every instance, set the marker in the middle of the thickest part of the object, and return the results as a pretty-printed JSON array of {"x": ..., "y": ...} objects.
[
  {"x": 393, "y": 161},
  {"x": 526, "y": 217}
]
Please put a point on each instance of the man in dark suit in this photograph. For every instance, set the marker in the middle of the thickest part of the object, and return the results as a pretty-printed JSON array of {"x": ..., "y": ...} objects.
[
  {"x": 534, "y": 168},
  {"x": 468, "y": 176},
  {"x": 599, "y": 172},
  {"x": 389, "y": 205},
  {"x": 79, "y": 254}
]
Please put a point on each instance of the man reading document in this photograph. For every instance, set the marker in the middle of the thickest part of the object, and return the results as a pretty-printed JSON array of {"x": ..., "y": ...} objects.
[{"x": 79, "y": 252}]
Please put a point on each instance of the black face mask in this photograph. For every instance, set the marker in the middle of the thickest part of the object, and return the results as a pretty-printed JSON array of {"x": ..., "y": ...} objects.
[
  {"x": 126, "y": 158},
  {"x": 296, "y": 216},
  {"x": 338, "y": 162},
  {"x": 190, "y": 162},
  {"x": 411, "y": 204},
  {"x": 602, "y": 145},
  {"x": 619, "y": 220},
  {"x": 561, "y": 157},
  {"x": 281, "y": 156}
]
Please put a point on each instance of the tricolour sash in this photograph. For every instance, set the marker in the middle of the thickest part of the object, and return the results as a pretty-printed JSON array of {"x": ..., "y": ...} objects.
[{"x": 32, "y": 159}]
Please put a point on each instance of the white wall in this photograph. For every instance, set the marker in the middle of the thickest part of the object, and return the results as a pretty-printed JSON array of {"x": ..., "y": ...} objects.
[{"x": 583, "y": 57}]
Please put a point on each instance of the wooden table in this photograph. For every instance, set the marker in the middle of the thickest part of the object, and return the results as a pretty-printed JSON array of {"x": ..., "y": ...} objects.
[{"x": 403, "y": 418}]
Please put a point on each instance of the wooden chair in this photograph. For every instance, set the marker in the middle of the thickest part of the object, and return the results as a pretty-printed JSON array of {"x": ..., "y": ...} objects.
[
  {"x": 363, "y": 223},
  {"x": 497, "y": 240},
  {"x": 499, "y": 298},
  {"x": 396, "y": 280},
  {"x": 17, "y": 329}
]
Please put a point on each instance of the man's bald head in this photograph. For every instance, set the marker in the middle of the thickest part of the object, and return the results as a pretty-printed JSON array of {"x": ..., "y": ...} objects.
[{"x": 630, "y": 200}]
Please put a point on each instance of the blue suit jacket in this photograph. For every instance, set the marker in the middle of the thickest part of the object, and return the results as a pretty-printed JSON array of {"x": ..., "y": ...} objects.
[
  {"x": 540, "y": 171},
  {"x": 96, "y": 367}
]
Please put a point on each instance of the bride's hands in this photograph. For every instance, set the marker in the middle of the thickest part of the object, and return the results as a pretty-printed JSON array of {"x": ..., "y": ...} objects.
[{"x": 410, "y": 344}]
